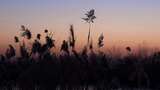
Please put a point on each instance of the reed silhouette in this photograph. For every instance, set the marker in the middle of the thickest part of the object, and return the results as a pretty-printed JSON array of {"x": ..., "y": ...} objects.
[
  {"x": 89, "y": 19},
  {"x": 38, "y": 67}
]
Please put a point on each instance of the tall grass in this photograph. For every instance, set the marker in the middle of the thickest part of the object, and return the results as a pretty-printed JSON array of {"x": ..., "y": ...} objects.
[{"x": 39, "y": 67}]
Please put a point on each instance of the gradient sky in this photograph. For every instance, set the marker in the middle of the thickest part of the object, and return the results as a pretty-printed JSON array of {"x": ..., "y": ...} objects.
[{"x": 123, "y": 22}]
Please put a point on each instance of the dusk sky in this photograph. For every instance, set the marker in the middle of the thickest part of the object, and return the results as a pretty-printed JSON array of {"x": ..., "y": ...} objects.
[{"x": 123, "y": 22}]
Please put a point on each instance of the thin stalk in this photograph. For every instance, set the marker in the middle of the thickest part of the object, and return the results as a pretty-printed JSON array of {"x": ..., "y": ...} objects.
[{"x": 89, "y": 33}]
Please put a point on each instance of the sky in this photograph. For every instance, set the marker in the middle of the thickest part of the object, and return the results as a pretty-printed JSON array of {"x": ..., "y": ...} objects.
[{"x": 123, "y": 22}]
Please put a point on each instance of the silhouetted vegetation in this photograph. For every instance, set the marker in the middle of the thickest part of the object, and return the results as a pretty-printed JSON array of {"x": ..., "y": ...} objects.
[
  {"x": 89, "y": 19},
  {"x": 38, "y": 67}
]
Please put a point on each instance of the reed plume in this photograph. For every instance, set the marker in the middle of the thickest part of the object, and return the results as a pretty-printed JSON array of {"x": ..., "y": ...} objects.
[
  {"x": 100, "y": 41},
  {"x": 26, "y": 32},
  {"x": 89, "y": 19},
  {"x": 72, "y": 37},
  {"x": 16, "y": 39}
]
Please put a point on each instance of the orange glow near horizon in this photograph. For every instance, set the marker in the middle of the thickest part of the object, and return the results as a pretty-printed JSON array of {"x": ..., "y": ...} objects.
[{"x": 123, "y": 23}]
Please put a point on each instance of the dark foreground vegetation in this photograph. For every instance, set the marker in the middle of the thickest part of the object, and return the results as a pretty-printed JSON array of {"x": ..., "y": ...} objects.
[{"x": 38, "y": 67}]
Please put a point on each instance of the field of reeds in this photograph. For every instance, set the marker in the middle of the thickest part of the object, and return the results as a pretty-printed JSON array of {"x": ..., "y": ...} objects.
[{"x": 38, "y": 67}]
